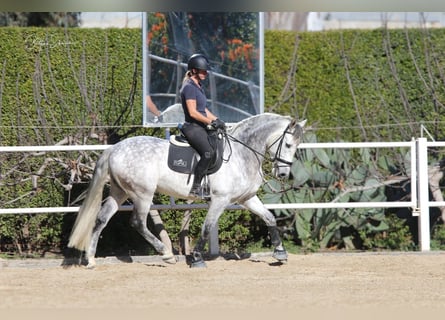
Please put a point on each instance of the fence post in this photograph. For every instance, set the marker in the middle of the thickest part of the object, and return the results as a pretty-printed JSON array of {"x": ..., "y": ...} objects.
[
  {"x": 214, "y": 241},
  {"x": 423, "y": 194}
]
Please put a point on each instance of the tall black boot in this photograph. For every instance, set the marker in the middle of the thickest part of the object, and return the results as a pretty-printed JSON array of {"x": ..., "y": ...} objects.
[{"x": 197, "y": 189}]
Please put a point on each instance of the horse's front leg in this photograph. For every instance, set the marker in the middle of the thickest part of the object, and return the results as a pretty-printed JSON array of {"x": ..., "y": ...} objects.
[
  {"x": 255, "y": 205},
  {"x": 216, "y": 208}
]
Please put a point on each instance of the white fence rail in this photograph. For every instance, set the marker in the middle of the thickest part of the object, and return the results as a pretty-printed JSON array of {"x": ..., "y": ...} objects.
[{"x": 419, "y": 202}]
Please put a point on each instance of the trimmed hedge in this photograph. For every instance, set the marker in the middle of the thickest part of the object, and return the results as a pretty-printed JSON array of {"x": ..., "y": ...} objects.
[
  {"x": 53, "y": 76},
  {"x": 341, "y": 79},
  {"x": 357, "y": 85}
]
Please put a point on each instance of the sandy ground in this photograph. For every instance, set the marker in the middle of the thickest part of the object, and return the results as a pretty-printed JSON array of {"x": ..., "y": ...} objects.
[{"x": 355, "y": 282}]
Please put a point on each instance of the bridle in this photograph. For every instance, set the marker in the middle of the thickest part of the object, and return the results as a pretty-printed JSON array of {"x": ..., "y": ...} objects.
[{"x": 280, "y": 141}]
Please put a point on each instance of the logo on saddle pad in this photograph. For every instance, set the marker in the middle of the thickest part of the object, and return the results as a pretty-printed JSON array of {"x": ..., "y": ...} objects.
[
  {"x": 183, "y": 158},
  {"x": 180, "y": 163}
]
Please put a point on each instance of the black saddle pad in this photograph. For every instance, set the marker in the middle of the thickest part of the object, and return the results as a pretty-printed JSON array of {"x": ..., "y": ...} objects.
[{"x": 182, "y": 157}]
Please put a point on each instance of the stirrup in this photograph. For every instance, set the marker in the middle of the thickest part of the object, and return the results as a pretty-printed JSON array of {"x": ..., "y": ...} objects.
[{"x": 199, "y": 192}]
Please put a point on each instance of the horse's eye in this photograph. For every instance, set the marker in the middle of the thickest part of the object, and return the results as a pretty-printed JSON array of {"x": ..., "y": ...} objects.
[{"x": 287, "y": 145}]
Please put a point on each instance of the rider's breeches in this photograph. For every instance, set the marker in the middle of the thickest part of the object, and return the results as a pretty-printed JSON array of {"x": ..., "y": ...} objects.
[{"x": 198, "y": 138}]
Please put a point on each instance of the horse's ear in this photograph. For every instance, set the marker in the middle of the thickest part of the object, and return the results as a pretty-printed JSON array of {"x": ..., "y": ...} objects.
[{"x": 295, "y": 123}]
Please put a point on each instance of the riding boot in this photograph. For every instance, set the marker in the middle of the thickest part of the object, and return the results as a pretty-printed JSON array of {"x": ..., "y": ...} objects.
[{"x": 199, "y": 191}]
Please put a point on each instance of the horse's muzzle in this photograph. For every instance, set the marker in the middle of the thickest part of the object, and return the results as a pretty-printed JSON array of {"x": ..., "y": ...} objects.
[{"x": 281, "y": 172}]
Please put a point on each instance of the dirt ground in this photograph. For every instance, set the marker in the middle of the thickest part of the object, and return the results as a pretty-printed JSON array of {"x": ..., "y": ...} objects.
[{"x": 322, "y": 281}]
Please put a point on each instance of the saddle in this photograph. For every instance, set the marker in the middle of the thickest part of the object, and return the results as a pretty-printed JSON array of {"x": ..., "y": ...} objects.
[{"x": 183, "y": 158}]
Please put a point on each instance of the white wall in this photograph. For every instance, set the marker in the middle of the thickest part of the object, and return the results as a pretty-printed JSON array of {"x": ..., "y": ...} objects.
[{"x": 111, "y": 19}]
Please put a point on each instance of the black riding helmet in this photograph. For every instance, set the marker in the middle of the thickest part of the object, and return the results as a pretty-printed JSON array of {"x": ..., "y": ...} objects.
[{"x": 198, "y": 61}]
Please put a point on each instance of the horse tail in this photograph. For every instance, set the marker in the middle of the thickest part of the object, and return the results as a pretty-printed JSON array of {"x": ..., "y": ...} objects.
[{"x": 80, "y": 237}]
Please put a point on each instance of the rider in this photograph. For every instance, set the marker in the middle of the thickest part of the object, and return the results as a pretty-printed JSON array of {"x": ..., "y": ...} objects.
[{"x": 198, "y": 119}]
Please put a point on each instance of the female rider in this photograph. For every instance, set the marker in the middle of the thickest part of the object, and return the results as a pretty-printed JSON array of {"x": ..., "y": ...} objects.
[{"x": 198, "y": 118}]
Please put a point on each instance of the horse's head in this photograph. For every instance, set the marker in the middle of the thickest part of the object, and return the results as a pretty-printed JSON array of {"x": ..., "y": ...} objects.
[{"x": 284, "y": 147}]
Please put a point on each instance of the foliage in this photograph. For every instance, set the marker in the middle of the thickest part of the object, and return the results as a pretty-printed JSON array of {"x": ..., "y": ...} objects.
[
  {"x": 39, "y": 19},
  {"x": 395, "y": 237},
  {"x": 72, "y": 78},
  {"x": 27, "y": 235},
  {"x": 234, "y": 232},
  {"x": 438, "y": 237},
  {"x": 337, "y": 175}
]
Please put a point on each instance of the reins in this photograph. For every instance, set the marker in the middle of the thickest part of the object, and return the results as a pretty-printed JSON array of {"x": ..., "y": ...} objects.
[
  {"x": 280, "y": 139},
  {"x": 265, "y": 156},
  {"x": 222, "y": 134}
]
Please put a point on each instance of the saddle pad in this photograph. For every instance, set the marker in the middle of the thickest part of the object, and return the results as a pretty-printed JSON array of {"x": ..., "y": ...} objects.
[{"x": 181, "y": 159}]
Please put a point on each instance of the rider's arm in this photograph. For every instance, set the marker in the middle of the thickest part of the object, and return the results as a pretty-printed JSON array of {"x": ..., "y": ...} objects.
[{"x": 191, "y": 107}]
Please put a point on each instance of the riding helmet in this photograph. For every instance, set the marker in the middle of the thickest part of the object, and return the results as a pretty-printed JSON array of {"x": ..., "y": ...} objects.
[{"x": 198, "y": 61}]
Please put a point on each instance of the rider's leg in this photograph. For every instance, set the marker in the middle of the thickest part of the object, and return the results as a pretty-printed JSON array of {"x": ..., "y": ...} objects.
[
  {"x": 200, "y": 170},
  {"x": 199, "y": 140}
]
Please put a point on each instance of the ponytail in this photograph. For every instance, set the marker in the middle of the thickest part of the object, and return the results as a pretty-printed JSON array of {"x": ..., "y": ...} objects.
[{"x": 187, "y": 76}]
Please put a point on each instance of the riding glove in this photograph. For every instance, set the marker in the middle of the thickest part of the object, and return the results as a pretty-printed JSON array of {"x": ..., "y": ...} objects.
[{"x": 218, "y": 124}]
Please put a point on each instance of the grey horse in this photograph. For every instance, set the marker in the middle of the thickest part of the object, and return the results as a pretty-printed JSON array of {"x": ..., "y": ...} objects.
[{"x": 137, "y": 168}]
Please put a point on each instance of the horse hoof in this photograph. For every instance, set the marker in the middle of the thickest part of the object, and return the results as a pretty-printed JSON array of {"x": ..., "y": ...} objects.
[
  {"x": 280, "y": 255},
  {"x": 91, "y": 266},
  {"x": 170, "y": 259},
  {"x": 198, "y": 264},
  {"x": 196, "y": 260}
]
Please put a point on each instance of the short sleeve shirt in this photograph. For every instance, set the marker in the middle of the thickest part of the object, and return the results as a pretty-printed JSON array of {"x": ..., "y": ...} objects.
[{"x": 191, "y": 91}]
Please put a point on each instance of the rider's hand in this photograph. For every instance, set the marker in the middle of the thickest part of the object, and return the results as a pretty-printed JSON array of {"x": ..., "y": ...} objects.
[{"x": 218, "y": 124}]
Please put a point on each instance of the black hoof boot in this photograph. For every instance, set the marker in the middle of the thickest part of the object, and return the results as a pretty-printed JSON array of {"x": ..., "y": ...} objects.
[
  {"x": 280, "y": 255},
  {"x": 197, "y": 260}
]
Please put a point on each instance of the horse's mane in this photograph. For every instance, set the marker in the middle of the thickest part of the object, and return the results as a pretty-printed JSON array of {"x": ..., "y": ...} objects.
[{"x": 247, "y": 122}]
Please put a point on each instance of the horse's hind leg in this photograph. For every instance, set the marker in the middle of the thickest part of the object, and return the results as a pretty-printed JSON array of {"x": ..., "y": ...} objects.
[
  {"x": 108, "y": 209},
  {"x": 255, "y": 205},
  {"x": 138, "y": 221}
]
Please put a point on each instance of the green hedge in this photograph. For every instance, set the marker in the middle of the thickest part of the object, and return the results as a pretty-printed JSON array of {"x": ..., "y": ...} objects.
[
  {"x": 388, "y": 81},
  {"x": 65, "y": 77},
  {"x": 56, "y": 83}
]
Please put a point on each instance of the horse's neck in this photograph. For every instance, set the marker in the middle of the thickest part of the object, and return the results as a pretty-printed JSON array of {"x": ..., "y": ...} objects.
[{"x": 257, "y": 135}]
